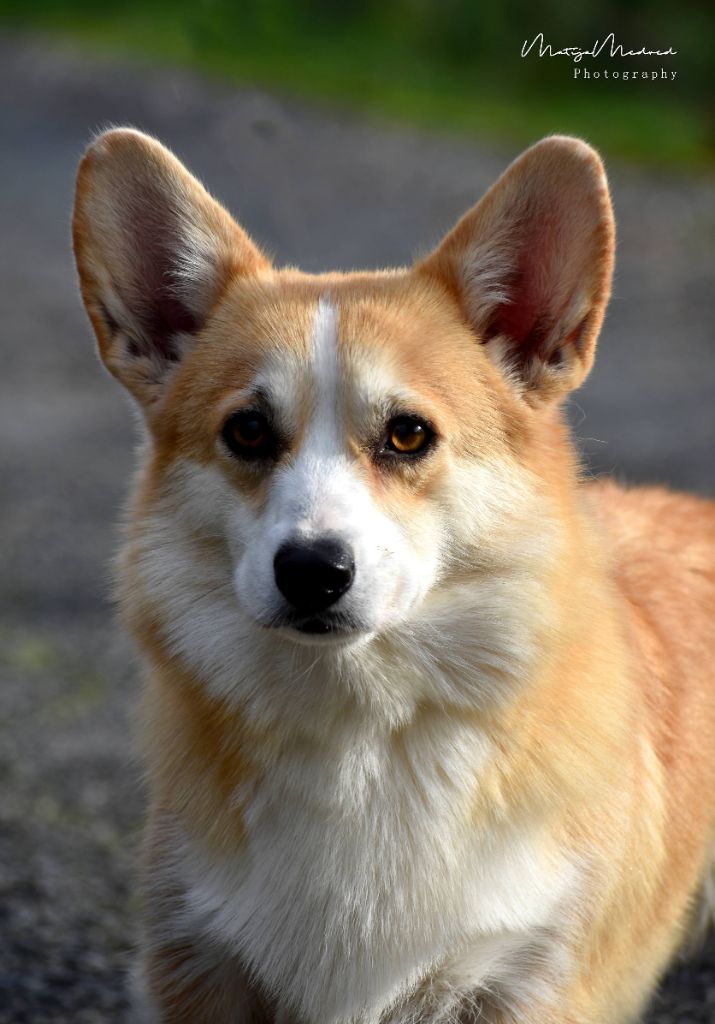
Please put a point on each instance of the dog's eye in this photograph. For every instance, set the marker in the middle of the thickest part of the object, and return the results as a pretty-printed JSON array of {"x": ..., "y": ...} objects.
[
  {"x": 248, "y": 435},
  {"x": 408, "y": 435}
]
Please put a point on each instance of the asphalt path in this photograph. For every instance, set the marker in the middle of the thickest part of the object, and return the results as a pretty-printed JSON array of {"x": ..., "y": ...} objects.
[{"x": 322, "y": 190}]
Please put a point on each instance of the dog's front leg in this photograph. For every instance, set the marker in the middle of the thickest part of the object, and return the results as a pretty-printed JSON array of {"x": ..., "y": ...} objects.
[
  {"x": 184, "y": 983},
  {"x": 185, "y": 975}
]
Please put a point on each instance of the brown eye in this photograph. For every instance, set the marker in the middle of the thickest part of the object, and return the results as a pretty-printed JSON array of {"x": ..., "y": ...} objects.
[
  {"x": 408, "y": 435},
  {"x": 248, "y": 435}
]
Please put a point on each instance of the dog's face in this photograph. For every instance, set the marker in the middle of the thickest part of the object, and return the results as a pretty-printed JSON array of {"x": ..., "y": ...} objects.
[
  {"x": 325, "y": 442},
  {"x": 319, "y": 433},
  {"x": 333, "y": 452}
]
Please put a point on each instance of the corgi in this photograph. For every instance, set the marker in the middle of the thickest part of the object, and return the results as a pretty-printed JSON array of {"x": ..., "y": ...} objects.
[{"x": 428, "y": 720}]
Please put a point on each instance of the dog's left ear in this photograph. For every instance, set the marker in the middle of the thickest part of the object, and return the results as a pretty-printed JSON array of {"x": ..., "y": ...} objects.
[
  {"x": 531, "y": 266},
  {"x": 154, "y": 253}
]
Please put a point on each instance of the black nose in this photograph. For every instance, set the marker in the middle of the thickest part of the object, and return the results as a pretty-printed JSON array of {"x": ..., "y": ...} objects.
[{"x": 312, "y": 575}]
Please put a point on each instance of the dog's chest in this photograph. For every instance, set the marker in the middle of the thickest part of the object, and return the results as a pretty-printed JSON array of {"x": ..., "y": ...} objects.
[{"x": 361, "y": 873}]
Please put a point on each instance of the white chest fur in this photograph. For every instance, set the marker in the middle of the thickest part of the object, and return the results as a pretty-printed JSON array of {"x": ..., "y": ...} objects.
[{"x": 364, "y": 869}]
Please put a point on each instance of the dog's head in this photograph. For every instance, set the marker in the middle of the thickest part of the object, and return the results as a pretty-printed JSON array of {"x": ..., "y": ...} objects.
[{"x": 332, "y": 453}]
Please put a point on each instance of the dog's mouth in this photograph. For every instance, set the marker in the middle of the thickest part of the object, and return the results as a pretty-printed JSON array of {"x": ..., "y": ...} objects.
[
  {"x": 323, "y": 626},
  {"x": 318, "y": 626}
]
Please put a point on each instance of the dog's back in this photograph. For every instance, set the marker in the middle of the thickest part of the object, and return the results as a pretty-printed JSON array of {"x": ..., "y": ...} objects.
[{"x": 662, "y": 554}]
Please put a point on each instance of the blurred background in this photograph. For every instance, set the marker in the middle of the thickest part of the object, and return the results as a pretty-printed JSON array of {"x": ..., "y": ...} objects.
[
  {"x": 341, "y": 136},
  {"x": 453, "y": 65}
]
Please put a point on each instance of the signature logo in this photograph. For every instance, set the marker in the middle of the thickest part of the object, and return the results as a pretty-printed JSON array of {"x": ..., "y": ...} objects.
[{"x": 576, "y": 53}]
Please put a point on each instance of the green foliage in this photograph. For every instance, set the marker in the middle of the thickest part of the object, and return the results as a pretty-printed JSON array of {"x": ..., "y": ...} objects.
[{"x": 452, "y": 64}]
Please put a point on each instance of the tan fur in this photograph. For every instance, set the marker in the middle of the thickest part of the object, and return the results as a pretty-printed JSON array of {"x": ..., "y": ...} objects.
[{"x": 607, "y": 748}]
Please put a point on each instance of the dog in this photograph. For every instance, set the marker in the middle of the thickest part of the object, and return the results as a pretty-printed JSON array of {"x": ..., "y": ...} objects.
[{"x": 428, "y": 720}]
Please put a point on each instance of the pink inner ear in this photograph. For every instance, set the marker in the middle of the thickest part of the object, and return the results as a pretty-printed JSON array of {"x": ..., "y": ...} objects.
[
  {"x": 537, "y": 295},
  {"x": 517, "y": 317},
  {"x": 160, "y": 310}
]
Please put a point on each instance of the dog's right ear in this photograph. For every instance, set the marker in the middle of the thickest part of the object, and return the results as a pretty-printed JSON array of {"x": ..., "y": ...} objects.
[
  {"x": 154, "y": 252},
  {"x": 531, "y": 264}
]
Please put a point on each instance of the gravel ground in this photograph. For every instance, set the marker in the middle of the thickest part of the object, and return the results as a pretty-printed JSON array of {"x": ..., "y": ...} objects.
[{"x": 319, "y": 189}]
